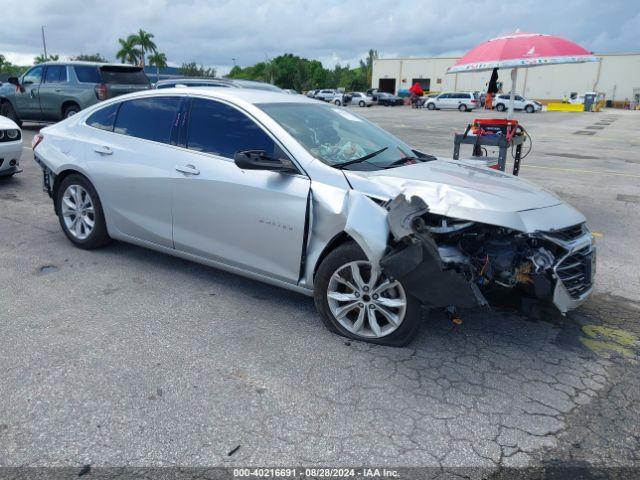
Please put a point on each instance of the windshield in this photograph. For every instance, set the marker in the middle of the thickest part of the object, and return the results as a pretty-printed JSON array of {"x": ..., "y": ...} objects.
[{"x": 336, "y": 136}]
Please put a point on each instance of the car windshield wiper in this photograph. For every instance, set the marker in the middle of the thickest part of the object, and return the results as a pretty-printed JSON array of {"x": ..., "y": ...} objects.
[
  {"x": 361, "y": 159},
  {"x": 406, "y": 158}
]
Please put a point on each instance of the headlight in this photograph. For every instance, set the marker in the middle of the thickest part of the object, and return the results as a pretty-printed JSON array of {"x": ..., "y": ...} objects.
[{"x": 9, "y": 135}]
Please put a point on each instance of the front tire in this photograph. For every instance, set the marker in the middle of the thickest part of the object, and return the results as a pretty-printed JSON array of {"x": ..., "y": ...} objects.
[
  {"x": 431, "y": 106},
  {"x": 529, "y": 109},
  {"x": 80, "y": 213},
  {"x": 7, "y": 110},
  {"x": 359, "y": 302}
]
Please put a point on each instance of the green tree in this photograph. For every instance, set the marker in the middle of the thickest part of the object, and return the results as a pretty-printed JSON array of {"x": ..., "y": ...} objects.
[
  {"x": 42, "y": 58},
  {"x": 159, "y": 60},
  {"x": 128, "y": 52},
  {"x": 367, "y": 66},
  {"x": 93, "y": 57},
  {"x": 144, "y": 40},
  {"x": 192, "y": 69}
]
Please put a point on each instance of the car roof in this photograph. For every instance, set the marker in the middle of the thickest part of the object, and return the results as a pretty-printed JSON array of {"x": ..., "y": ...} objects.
[
  {"x": 89, "y": 64},
  {"x": 246, "y": 95}
]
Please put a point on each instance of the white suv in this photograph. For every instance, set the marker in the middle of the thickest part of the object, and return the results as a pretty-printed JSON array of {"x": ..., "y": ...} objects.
[
  {"x": 501, "y": 103},
  {"x": 463, "y": 101}
]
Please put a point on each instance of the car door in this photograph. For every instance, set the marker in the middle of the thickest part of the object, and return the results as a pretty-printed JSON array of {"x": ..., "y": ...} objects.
[
  {"x": 249, "y": 219},
  {"x": 53, "y": 91},
  {"x": 518, "y": 102},
  {"x": 131, "y": 159},
  {"x": 441, "y": 100},
  {"x": 27, "y": 98}
]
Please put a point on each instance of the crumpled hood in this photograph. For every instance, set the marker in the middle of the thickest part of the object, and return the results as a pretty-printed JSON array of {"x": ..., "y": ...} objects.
[{"x": 464, "y": 191}]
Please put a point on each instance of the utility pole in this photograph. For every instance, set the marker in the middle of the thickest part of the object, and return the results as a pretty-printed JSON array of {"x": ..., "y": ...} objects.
[
  {"x": 234, "y": 62},
  {"x": 44, "y": 43}
]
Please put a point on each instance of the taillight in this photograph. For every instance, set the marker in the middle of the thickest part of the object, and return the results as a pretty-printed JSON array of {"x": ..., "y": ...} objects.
[
  {"x": 474, "y": 101},
  {"x": 37, "y": 138},
  {"x": 101, "y": 91}
]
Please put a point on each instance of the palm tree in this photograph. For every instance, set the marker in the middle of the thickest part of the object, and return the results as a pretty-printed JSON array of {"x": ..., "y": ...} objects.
[
  {"x": 159, "y": 60},
  {"x": 145, "y": 41},
  {"x": 128, "y": 52}
]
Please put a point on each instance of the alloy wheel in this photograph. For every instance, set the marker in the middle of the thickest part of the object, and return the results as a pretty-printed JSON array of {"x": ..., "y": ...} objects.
[
  {"x": 364, "y": 301},
  {"x": 78, "y": 212}
]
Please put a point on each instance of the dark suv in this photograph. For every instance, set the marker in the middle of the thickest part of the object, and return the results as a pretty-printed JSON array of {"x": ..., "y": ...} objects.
[{"x": 52, "y": 91}]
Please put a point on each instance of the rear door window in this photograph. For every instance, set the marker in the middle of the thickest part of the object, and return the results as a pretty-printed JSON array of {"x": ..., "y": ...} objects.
[
  {"x": 123, "y": 75},
  {"x": 87, "y": 74},
  {"x": 55, "y": 74},
  {"x": 104, "y": 119},
  {"x": 150, "y": 118},
  {"x": 222, "y": 130}
]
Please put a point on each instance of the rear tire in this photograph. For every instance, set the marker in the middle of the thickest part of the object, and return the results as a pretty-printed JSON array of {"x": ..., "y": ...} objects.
[
  {"x": 463, "y": 107},
  {"x": 70, "y": 110},
  {"x": 362, "y": 104},
  {"x": 7, "y": 110},
  {"x": 500, "y": 107},
  {"x": 80, "y": 213},
  {"x": 372, "y": 307}
]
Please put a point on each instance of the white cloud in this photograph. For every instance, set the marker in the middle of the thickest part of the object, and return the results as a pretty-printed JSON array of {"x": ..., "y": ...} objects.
[{"x": 334, "y": 31}]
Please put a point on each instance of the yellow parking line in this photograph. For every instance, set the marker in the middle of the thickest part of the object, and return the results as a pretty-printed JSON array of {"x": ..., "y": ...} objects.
[
  {"x": 580, "y": 170},
  {"x": 597, "y": 234}
]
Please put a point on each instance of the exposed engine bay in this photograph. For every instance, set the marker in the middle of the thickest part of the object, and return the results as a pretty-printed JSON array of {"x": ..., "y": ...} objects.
[{"x": 448, "y": 262}]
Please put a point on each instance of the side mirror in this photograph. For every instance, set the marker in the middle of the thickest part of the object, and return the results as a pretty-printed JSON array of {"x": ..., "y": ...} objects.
[
  {"x": 259, "y": 160},
  {"x": 14, "y": 81}
]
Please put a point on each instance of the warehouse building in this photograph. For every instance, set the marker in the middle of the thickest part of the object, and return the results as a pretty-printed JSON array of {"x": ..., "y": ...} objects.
[{"x": 616, "y": 74}]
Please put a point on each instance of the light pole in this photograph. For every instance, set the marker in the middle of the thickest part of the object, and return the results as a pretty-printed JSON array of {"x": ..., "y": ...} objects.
[
  {"x": 44, "y": 43},
  {"x": 234, "y": 62}
]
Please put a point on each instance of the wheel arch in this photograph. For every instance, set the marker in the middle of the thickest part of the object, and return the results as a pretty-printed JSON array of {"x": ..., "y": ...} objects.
[{"x": 339, "y": 239}]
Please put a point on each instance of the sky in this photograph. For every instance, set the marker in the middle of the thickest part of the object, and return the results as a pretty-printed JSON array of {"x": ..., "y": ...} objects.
[{"x": 214, "y": 32}]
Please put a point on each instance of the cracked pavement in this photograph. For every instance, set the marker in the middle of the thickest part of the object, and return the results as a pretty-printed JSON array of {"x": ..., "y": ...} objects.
[{"x": 126, "y": 357}]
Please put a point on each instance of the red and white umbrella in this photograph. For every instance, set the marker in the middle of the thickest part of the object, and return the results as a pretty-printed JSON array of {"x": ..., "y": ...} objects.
[{"x": 521, "y": 50}]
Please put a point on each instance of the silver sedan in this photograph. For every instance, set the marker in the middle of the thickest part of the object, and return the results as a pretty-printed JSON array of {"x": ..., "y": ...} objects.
[{"x": 313, "y": 198}]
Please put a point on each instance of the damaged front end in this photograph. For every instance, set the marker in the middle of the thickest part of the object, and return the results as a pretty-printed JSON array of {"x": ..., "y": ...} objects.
[{"x": 449, "y": 262}]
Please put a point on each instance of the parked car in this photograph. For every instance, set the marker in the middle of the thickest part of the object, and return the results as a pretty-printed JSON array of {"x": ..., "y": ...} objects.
[
  {"x": 326, "y": 95},
  {"x": 361, "y": 99},
  {"x": 290, "y": 91},
  {"x": 462, "y": 101},
  {"x": 312, "y": 93},
  {"x": 389, "y": 100},
  {"x": 501, "y": 103},
  {"x": 52, "y": 91},
  {"x": 311, "y": 198},
  {"x": 215, "y": 82},
  {"x": 10, "y": 147},
  {"x": 340, "y": 98},
  {"x": 373, "y": 93}
]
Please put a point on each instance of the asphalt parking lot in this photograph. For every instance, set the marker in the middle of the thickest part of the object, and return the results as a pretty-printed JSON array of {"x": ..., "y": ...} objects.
[{"x": 127, "y": 357}]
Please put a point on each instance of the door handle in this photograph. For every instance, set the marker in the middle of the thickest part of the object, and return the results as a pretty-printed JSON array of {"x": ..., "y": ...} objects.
[
  {"x": 188, "y": 169},
  {"x": 32, "y": 93},
  {"x": 103, "y": 150}
]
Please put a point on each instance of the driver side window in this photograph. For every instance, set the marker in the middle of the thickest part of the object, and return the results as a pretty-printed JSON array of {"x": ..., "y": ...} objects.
[
  {"x": 33, "y": 76},
  {"x": 222, "y": 130}
]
